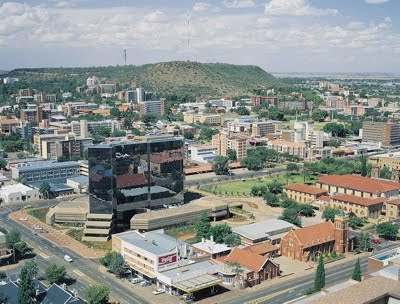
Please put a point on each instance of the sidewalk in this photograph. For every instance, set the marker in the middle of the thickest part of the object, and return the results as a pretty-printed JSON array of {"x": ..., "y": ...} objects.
[{"x": 57, "y": 237}]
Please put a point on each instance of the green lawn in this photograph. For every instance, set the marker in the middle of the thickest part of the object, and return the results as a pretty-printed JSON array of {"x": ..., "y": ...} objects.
[
  {"x": 40, "y": 214},
  {"x": 244, "y": 187}
]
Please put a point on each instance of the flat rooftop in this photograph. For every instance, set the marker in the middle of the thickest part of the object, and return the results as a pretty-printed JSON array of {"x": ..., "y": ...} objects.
[
  {"x": 134, "y": 142},
  {"x": 46, "y": 165},
  {"x": 263, "y": 229}
]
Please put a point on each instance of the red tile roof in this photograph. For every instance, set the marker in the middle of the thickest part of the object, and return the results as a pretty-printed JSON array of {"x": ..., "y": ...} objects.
[
  {"x": 315, "y": 234},
  {"x": 246, "y": 259},
  {"x": 362, "y": 201},
  {"x": 359, "y": 183},
  {"x": 262, "y": 248},
  {"x": 325, "y": 198},
  {"x": 394, "y": 202},
  {"x": 305, "y": 189}
]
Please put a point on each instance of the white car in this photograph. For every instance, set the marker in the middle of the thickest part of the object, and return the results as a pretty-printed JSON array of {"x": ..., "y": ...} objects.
[
  {"x": 145, "y": 283},
  {"x": 136, "y": 280},
  {"x": 68, "y": 258},
  {"x": 158, "y": 291},
  {"x": 23, "y": 219}
]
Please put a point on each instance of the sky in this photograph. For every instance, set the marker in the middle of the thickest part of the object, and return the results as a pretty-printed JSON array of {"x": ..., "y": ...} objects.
[{"x": 278, "y": 35}]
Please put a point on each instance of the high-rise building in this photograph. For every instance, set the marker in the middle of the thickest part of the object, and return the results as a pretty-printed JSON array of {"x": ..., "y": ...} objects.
[
  {"x": 140, "y": 95},
  {"x": 130, "y": 96},
  {"x": 386, "y": 133},
  {"x": 92, "y": 81},
  {"x": 126, "y": 177}
]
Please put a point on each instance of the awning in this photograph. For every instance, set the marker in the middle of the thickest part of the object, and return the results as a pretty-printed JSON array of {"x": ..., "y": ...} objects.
[{"x": 198, "y": 283}]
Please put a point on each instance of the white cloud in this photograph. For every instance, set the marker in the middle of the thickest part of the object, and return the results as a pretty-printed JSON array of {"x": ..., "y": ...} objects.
[
  {"x": 201, "y": 7},
  {"x": 296, "y": 8},
  {"x": 238, "y": 3},
  {"x": 376, "y": 1}
]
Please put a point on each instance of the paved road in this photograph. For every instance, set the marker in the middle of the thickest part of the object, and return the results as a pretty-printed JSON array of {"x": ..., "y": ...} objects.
[
  {"x": 295, "y": 288},
  {"x": 85, "y": 271}
]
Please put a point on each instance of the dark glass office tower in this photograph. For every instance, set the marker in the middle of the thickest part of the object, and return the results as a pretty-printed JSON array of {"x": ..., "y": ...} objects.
[{"x": 127, "y": 176}]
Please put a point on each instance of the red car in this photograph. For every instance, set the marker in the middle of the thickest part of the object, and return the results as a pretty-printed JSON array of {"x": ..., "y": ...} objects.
[{"x": 376, "y": 241}]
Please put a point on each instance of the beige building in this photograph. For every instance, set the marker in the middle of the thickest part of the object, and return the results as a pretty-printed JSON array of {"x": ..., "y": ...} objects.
[
  {"x": 262, "y": 128},
  {"x": 299, "y": 149},
  {"x": 390, "y": 161},
  {"x": 387, "y": 133},
  {"x": 189, "y": 213},
  {"x": 362, "y": 207},
  {"x": 303, "y": 194},
  {"x": 237, "y": 142},
  {"x": 209, "y": 119}
]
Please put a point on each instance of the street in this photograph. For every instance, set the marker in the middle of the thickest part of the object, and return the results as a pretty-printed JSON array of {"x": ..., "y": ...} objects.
[
  {"x": 295, "y": 288},
  {"x": 84, "y": 271}
]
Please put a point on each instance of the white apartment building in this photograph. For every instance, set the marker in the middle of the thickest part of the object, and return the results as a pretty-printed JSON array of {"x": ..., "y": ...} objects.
[{"x": 92, "y": 81}]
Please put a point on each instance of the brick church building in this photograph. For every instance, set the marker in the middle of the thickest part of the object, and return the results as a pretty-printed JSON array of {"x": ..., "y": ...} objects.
[{"x": 304, "y": 243}]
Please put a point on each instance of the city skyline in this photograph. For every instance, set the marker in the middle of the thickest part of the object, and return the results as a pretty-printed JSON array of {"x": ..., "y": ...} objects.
[{"x": 278, "y": 35}]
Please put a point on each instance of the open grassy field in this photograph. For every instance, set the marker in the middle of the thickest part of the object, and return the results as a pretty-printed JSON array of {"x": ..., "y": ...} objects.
[
  {"x": 244, "y": 187},
  {"x": 40, "y": 214}
]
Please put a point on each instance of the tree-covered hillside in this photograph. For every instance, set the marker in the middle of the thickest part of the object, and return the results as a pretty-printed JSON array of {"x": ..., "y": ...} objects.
[{"x": 192, "y": 78}]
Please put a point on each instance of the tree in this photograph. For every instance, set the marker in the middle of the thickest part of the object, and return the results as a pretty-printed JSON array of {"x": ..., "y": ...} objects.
[
  {"x": 242, "y": 111},
  {"x": 275, "y": 187},
  {"x": 232, "y": 155},
  {"x": 21, "y": 248},
  {"x": 364, "y": 170},
  {"x": 385, "y": 173},
  {"x": 271, "y": 199},
  {"x": 45, "y": 189},
  {"x": 115, "y": 263},
  {"x": 26, "y": 290},
  {"x": 357, "y": 271},
  {"x": 329, "y": 213},
  {"x": 203, "y": 227},
  {"x": 319, "y": 281},
  {"x": 3, "y": 275},
  {"x": 13, "y": 237},
  {"x": 305, "y": 210},
  {"x": 149, "y": 118},
  {"x": 207, "y": 133},
  {"x": 292, "y": 167},
  {"x": 114, "y": 112},
  {"x": 363, "y": 241},
  {"x": 220, "y": 232},
  {"x": 21, "y": 155},
  {"x": 220, "y": 165},
  {"x": 97, "y": 294},
  {"x": 290, "y": 215},
  {"x": 55, "y": 273},
  {"x": 319, "y": 115},
  {"x": 232, "y": 240},
  {"x": 188, "y": 135},
  {"x": 3, "y": 163},
  {"x": 355, "y": 221},
  {"x": 252, "y": 162},
  {"x": 388, "y": 230}
]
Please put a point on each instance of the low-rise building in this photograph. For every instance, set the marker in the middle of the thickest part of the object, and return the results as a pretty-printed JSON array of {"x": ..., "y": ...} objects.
[
  {"x": 210, "y": 248},
  {"x": 358, "y": 185},
  {"x": 45, "y": 170},
  {"x": 203, "y": 153},
  {"x": 360, "y": 206},
  {"x": 269, "y": 230},
  {"x": 209, "y": 119},
  {"x": 310, "y": 242},
  {"x": 256, "y": 268},
  {"x": 18, "y": 193},
  {"x": 302, "y": 193},
  {"x": 150, "y": 253}
]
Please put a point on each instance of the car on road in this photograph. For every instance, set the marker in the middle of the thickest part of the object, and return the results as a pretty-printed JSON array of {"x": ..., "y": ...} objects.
[
  {"x": 68, "y": 258},
  {"x": 158, "y": 291},
  {"x": 215, "y": 180}
]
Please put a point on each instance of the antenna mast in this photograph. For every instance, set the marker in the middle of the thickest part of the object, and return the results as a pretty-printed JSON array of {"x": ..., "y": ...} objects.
[{"x": 125, "y": 56}]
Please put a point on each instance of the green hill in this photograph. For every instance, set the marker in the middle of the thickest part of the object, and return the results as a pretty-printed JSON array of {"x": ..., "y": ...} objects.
[{"x": 178, "y": 77}]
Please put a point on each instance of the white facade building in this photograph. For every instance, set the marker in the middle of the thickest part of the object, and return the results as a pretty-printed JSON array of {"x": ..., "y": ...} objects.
[
  {"x": 203, "y": 153},
  {"x": 18, "y": 193}
]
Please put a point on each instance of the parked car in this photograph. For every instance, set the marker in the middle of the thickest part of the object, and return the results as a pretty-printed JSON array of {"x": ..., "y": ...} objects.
[
  {"x": 158, "y": 291},
  {"x": 68, "y": 258},
  {"x": 23, "y": 219},
  {"x": 376, "y": 241},
  {"x": 136, "y": 280},
  {"x": 145, "y": 283}
]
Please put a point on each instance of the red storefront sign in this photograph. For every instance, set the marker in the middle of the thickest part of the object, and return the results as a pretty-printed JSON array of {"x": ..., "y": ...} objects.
[{"x": 167, "y": 259}]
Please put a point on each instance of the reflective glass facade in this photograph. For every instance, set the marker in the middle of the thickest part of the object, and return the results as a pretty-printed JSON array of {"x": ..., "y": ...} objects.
[{"x": 126, "y": 176}]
